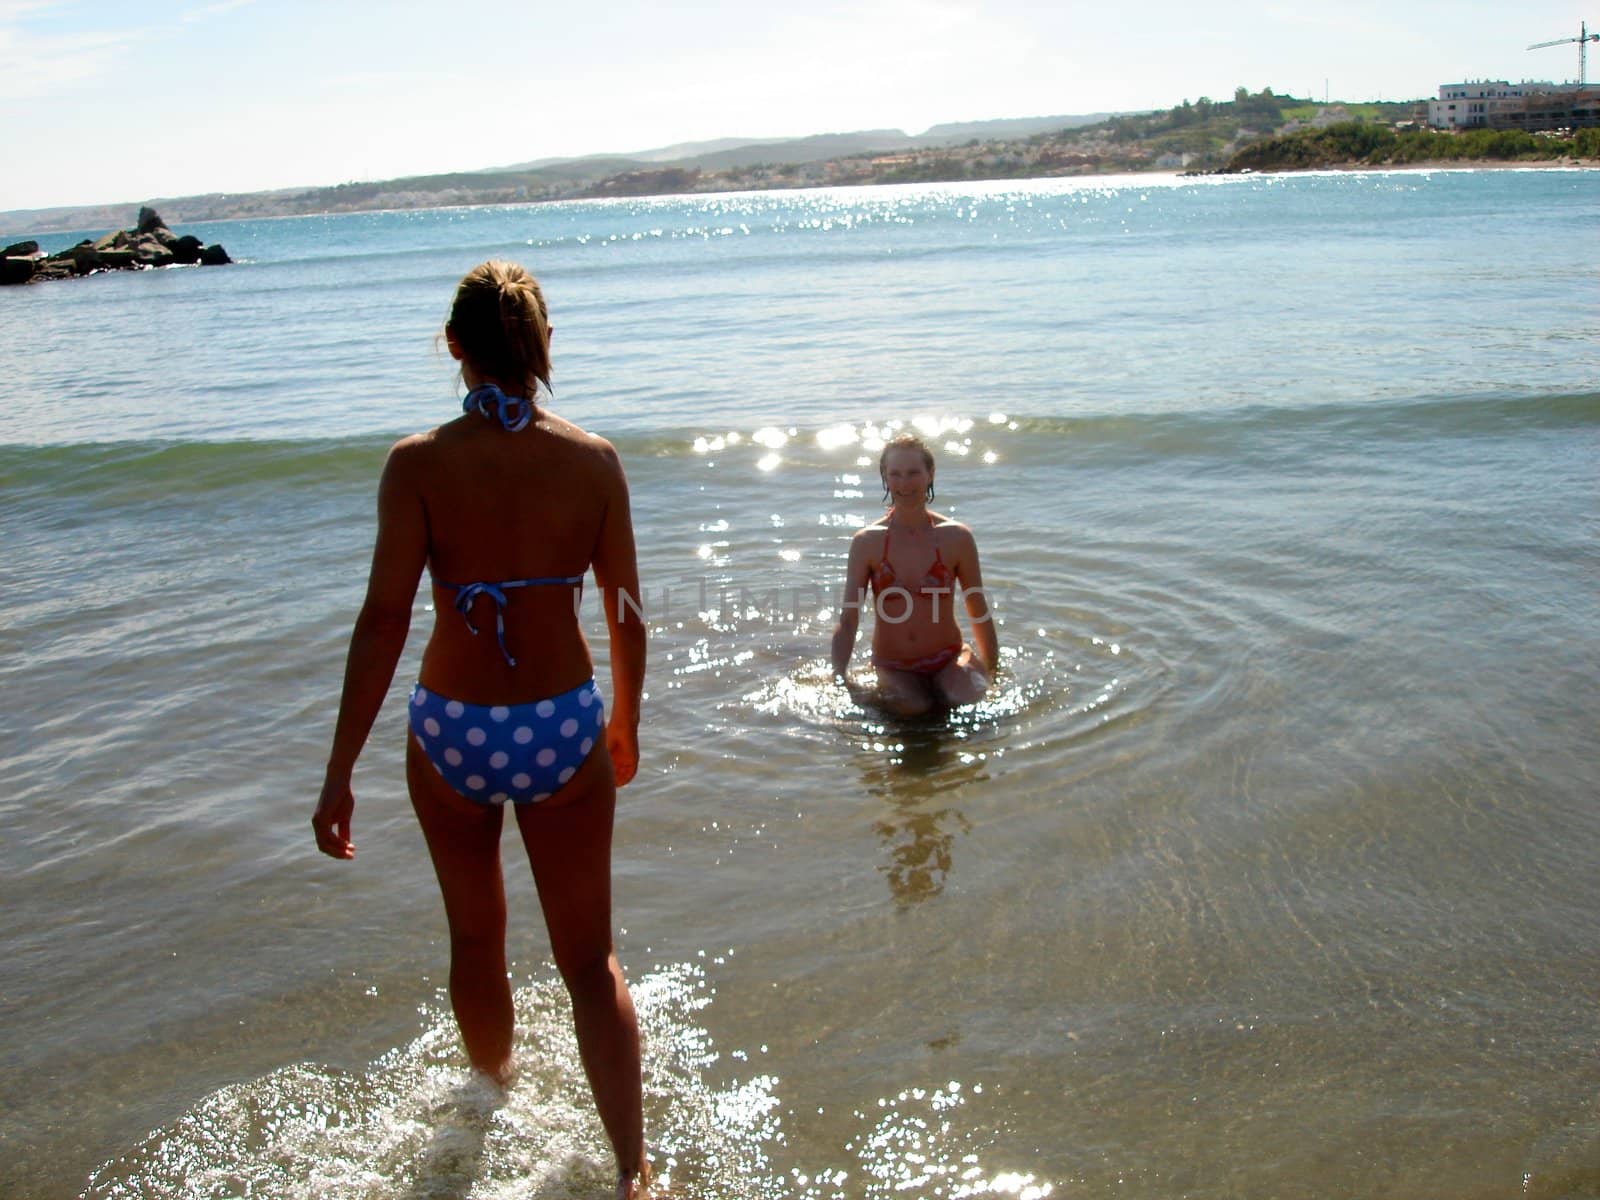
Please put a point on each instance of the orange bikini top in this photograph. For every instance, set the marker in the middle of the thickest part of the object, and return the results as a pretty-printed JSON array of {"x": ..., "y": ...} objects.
[{"x": 939, "y": 576}]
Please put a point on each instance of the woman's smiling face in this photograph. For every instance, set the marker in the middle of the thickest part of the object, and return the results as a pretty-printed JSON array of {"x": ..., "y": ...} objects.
[{"x": 906, "y": 475}]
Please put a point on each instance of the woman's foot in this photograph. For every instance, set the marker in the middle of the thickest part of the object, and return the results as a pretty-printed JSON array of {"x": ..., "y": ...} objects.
[
  {"x": 635, "y": 1184},
  {"x": 502, "y": 1076}
]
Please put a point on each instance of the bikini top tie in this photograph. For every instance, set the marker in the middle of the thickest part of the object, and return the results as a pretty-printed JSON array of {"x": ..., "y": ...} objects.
[
  {"x": 513, "y": 412},
  {"x": 466, "y": 593}
]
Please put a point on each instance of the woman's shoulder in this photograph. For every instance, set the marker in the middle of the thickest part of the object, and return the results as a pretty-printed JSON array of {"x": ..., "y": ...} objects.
[
  {"x": 873, "y": 531},
  {"x": 577, "y": 459},
  {"x": 574, "y": 436},
  {"x": 438, "y": 439},
  {"x": 949, "y": 527},
  {"x": 409, "y": 465},
  {"x": 414, "y": 448}
]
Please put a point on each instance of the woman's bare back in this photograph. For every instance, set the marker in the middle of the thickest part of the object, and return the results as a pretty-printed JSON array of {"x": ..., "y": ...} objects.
[{"x": 505, "y": 506}]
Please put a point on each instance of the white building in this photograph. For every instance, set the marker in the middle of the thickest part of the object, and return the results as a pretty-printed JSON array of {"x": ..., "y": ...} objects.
[{"x": 1470, "y": 105}]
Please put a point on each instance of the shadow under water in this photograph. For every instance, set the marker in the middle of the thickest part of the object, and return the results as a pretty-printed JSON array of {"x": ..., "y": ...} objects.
[{"x": 914, "y": 769}]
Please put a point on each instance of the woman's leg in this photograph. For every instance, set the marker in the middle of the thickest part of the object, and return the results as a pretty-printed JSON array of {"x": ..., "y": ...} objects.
[
  {"x": 464, "y": 842},
  {"x": 569, "y": 848},
  {"x": 963, "y": 681},
  {"x": 904, "y": 693}
]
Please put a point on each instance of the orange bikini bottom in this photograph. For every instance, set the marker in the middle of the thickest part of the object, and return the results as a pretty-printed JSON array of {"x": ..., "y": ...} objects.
[{"x": 928, "y": 664}]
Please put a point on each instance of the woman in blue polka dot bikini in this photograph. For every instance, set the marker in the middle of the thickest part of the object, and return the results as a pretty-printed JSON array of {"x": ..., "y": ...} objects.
[{"x": 518, "y": 504}]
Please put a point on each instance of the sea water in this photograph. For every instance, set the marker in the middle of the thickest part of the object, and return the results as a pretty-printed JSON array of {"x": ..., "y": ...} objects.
[{"x": 1268, "y": 868}]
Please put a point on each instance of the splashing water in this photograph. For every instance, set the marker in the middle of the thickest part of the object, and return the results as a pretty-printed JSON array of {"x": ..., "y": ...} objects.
[{"x": 419, "y": 1123}]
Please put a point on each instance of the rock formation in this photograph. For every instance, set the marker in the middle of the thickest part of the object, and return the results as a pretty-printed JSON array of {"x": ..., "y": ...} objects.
[{"x": 148, "y": 244}]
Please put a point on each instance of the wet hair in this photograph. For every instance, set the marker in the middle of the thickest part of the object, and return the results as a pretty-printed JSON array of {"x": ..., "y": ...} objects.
[
  {"x": 500, "y": 322},
  {"x": 906, "y": 441}
]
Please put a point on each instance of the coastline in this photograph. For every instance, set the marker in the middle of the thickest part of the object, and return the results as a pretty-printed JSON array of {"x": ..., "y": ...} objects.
[
  {"x": 1121, "y": 170},
  {"x": 1433, "y": 164},
  {"x": 1252, "y": 133}
]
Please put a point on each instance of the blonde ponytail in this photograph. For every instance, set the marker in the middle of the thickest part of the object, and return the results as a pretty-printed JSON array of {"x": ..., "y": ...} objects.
[{"x": 501, "y": 324}]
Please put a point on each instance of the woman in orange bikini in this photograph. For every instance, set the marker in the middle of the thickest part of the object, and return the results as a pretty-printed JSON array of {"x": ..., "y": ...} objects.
[{"x": 913, "y": 560}]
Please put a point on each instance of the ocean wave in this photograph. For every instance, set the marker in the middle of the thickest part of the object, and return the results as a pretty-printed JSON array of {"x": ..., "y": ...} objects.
[
  {"x": 175, "y": 468},
  {"x": 138, "y": 470},
  {"x": 1152, "y": 434}
]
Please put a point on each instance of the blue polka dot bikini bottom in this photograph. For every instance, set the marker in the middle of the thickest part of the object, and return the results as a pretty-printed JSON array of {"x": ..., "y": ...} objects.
[{"x": 522, "y": 753}]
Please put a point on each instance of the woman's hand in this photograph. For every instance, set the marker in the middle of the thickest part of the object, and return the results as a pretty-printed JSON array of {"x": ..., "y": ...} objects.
[
  {"x": 335, "y": 807},
  {"x": 622, "y": 743}
]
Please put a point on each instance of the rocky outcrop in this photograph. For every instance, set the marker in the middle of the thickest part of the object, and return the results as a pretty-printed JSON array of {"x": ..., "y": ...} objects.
[
  {"x": 16, "y": 269},
  {"x": 17, "y": 262},
  {"x": 148, "y": 244}
]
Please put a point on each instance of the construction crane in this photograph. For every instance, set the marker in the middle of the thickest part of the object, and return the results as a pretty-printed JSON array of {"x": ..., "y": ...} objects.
[{"x": 1583, "y": 39}]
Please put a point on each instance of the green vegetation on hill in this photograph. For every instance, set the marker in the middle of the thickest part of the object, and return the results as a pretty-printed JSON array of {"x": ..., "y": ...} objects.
[
  {"x": 1195, "y": 135},
  {"x": 1363, "y": 143},
  {"x": 1389, "y": 111},
  {"x": 1205, "y": 132},
  {"x": 1209, "y": 131}
]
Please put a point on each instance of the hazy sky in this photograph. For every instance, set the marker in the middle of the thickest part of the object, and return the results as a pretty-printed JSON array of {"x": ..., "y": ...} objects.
[{"x": 109, "y": 102}]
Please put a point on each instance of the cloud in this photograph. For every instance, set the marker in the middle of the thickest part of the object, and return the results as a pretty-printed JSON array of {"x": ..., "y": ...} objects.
[
  {"x": 37, "y": 67},
  {"x": 41, "y": 65},
  {"x": 12, "y": 10},
  {"x": 207, "y": 11}
]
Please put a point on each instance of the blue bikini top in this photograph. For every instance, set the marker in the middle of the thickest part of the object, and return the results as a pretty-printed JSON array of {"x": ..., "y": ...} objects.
[{"x": 513, "y": 413}]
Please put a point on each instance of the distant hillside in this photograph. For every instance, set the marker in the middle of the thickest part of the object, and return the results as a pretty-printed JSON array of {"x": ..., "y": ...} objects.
[
  {"x": 812, "y": 149},
  {"x": 824, "y": 146},
  {"x": 673, "y": 153},
  {"x": 1260, "y": 131},
  {"x": 553, "y": 182},
  {"x": 541, "y": 179},
  {"x": 1010, "y": 127},
  {"x": 741, "y": 152}
]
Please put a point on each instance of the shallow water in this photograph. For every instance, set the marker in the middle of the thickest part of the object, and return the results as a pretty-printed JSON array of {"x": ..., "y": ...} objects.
[{"x": 1267, "y": 870}]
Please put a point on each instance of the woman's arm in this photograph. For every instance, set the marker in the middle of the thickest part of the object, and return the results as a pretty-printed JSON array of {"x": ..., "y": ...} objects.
[
  {"x": 616, "y": 572},
  {"x": 850, "y": 602},
  {"x": 380, "y": 631},
  {"x": 970, "y": 576}
]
